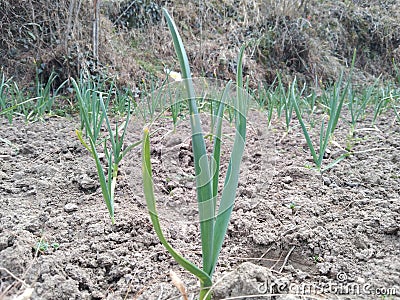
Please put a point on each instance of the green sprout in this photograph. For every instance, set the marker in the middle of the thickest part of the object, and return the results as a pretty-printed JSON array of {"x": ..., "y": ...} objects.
[
  {"x": 292, "y": 206},
  {"x": 335, "y": 104},
  {"x": 93, "y": 112},
  {"x": 42, "y": 246},
  {"x": 55, "y": 246},
  {"x": 316, "y": 258}
]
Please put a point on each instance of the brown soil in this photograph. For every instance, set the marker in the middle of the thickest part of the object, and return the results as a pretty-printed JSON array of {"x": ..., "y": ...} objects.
[{"x": 342, "y": 230}]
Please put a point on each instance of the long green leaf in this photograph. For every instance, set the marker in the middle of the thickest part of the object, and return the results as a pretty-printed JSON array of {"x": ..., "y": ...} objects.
[
  {"x": 232, "y": 176},
  {"x": 303, "y": 127},
  {"x": 202, "y": 171},
  {"x": 338, "y": 108},
  {"x": 336, "y": 161},
  {"x": 323, "y": 141},
  {"x": 110, "y": 131},
  {"x": 79, "y": 134},
  {"x": 103, "y": 182},
  {"x": 151, "y": 206},
  {"x": 215, "y": 163}
]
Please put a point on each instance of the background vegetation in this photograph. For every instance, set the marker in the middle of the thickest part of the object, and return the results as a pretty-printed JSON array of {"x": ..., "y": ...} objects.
[{"x": 309, "y": 39}]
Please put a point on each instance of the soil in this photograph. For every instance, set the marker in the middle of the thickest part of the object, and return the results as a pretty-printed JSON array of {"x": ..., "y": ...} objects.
[{"x": 294, "y": 233}]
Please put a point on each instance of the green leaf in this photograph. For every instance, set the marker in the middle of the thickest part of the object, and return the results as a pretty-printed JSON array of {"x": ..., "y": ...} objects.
[
  {"x": 303, "y": 127},
  {"x": 148, "y": 187},
  {"x": 79, "y": 134},
  {"x": 336, "y": 161},
  {"x": 202, "y": 171},
  {"x": 232, "y": 176},
  {"x": 215, "y": 163},
  {"x": 106, "y": 191}
]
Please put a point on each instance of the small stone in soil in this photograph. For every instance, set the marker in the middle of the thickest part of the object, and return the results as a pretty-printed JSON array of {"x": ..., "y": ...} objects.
[
  {"x": 3, "y": 175},
  {"x": 327, "y": 181},
  {"x": 87, "y": 183},
  {"x": 68, "y": 156},
  {"x": 351, "y": 184},
  {"x": 70, "y": 207},
  {"x": 287, "y": 179},
  {"x": 173, "y": 141}
]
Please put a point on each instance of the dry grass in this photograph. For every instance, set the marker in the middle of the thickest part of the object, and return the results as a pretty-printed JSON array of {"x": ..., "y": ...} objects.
[{"x": 309, "y": 39}]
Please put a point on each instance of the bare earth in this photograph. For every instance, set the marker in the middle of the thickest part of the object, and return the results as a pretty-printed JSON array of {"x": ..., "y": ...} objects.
[{"x": 293, "y": 231}]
